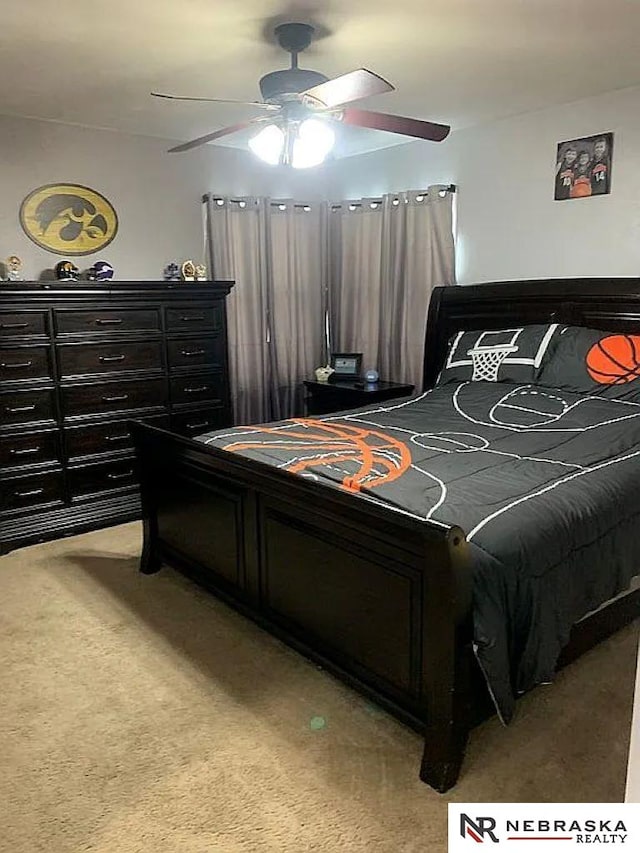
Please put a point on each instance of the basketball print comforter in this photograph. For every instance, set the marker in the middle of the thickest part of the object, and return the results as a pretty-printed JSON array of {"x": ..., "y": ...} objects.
[{"x": 544, "y": 482}]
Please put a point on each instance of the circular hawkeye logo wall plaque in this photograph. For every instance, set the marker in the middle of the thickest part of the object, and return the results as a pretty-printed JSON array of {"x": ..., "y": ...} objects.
[{"x": 68, "y": 219}]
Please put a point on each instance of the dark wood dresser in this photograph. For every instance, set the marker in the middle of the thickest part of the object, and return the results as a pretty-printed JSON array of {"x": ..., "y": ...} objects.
[{"x": 77, "y": 361}]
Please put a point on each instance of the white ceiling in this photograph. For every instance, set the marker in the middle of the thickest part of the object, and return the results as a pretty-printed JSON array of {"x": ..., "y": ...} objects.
[{"x": 460, "y": 62}]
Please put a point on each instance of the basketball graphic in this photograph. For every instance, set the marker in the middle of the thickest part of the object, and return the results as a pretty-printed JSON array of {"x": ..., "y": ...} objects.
[
  {"x": 365, "y": 457},
  {"x": 614, "y": 360}
]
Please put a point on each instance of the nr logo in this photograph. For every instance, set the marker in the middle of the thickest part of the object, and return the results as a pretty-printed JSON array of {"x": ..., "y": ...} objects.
[{"x": 477, "y": 828}]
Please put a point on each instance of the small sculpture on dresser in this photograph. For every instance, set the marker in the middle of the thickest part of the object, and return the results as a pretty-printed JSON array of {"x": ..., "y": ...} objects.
[
  {"x": 188, "y": 271},
  {"x": 201, "y": 272},
  {"x": 171, "y": 272},
  {"x": 14, "y": 265}
]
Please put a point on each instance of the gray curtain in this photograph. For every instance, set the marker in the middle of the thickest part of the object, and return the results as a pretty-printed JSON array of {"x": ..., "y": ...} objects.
[
  {"x": 388, "y": 255},
  {"x": 237, "y": 249},
  {"x": 276, "y": 252},
  {"x": 357, "y": 280},
  {"x": 297, "y": 288},
  {"x": 314, "y": 278}
]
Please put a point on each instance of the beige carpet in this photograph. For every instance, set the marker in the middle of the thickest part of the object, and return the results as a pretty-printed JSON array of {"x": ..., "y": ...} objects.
[{"x": 139, "y": 714}]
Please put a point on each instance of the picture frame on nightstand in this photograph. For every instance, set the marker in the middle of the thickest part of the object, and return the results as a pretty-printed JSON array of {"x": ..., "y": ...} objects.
[{"x": 345, "y": 365}]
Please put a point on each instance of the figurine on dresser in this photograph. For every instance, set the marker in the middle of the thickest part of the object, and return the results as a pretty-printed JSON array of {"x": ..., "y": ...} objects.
[
  {"x": 13, "y": 265},
  {"x": 188, "y": 271},
  {"x": 172, "y": 272}
]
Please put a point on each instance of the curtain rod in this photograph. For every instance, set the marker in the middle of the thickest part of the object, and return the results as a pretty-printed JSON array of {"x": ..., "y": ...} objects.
[
  {"x": 450, "y": 188},
  {"x": 302, "y": 205},
  {"x": 305, "y": 205}
]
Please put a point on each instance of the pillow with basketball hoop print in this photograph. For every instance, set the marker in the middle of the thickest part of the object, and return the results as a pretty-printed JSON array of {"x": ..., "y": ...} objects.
[
  {"x": 498, "y": 355},
  {"x": 595, "y": 362}
]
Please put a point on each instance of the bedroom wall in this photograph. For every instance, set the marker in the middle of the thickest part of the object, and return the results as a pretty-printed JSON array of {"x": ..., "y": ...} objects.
[
  {"x": 155, "y": 194},
  {"x": 509, "y": 226}
]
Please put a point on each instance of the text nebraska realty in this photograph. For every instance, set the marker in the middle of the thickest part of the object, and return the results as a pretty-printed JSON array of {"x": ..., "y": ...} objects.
[
  {"x": 579, "y": 831},
  {"x": 586, "y": 831}
]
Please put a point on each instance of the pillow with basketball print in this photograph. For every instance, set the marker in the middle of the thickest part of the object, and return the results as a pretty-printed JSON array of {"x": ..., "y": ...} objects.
[
  {"x": 606, "y": 364},
  {"x": 498, "y": 355}
]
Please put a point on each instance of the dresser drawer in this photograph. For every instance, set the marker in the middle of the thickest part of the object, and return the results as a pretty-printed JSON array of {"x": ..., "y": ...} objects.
[
  {"x": 110, "y": 320},
  {"x": 24, "y": 363},
  {"x": 28, "y": 449},
  {"x": 19, "y": 493},
  {"x": 198, "y": 422},
  {"x": 18, "y": 407},
  {"x": 22, "y": 323},
  {"x": 195, "y": 389},
  {"x": 113, "y": 396},
  {"x": 193, "y": 319},
  {"x": 102, "y": 477},
  {"x": 193, "y": 352},
  {"x": 78, "y": 359},
  {"x": 104, "y": 438}
]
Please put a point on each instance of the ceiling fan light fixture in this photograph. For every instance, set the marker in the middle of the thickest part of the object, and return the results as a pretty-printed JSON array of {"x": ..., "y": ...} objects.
[
  {"x": 312, "y": 144},
  {"x": 268, "y": 145}
]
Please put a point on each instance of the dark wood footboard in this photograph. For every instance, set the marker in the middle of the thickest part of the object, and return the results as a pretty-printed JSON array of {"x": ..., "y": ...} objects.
[{"x": 377, "y": 598}]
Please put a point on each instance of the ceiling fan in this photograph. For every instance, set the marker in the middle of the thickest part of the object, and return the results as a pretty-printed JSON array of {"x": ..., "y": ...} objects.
[{"x": 301, "y": 104}]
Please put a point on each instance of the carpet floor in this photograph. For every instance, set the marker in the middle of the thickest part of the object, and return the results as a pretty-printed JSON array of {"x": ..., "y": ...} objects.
[{"x": 140, "y": 715}]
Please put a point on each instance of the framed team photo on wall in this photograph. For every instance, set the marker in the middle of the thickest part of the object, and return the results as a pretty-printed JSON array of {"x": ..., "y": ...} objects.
[{"x": 583, "y": 167}]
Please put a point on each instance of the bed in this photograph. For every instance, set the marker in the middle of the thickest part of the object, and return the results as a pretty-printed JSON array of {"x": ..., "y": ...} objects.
[{"x": 352, "y": 538}]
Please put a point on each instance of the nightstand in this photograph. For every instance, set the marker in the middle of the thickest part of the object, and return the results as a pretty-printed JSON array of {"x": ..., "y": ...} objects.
[{"x": 340, "y": 395}]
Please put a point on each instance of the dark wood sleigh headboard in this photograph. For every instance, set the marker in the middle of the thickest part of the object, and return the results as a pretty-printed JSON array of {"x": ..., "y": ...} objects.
[{"x": 600, "y": 303}]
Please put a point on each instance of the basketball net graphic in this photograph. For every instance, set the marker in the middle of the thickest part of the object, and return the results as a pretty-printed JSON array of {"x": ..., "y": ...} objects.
[{"x": 487, "y": 361}]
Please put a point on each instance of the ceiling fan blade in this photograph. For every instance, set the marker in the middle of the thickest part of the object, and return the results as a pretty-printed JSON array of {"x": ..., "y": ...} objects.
[
  {"x": 216, "y": 134},
  {"x": 396, "y": 124},
  {"x": 258, "y": 104},
  {"x": 348, "y": 87}
]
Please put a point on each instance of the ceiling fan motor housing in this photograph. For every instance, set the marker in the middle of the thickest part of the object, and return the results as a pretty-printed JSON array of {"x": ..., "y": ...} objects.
[
  {"x": 290, "y": 81},
  {"x": 283, "y": 85}
]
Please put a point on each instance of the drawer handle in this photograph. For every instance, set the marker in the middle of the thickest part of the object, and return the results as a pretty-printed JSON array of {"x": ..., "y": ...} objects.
[
  {"x": 13, "y": 325},
  {"x": 197, "y": 389},
  {"x": 14, "y": 409},
  {"x": 116, "y": 398},
  {"x": 121, "y": 437},
  {"x": 198, "y": 425},
  {"x": 106, "y": 358},
  {"x": 29, "y": 494},
  {"x": 190, "y": 318},
  {"x": 109, "y": 322},
  {"x": 24, "y": 451},
  {"x": 190, "y": 353},
  {"x": 122, "y": 476},
  {"x": 16, "y": 364}
]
